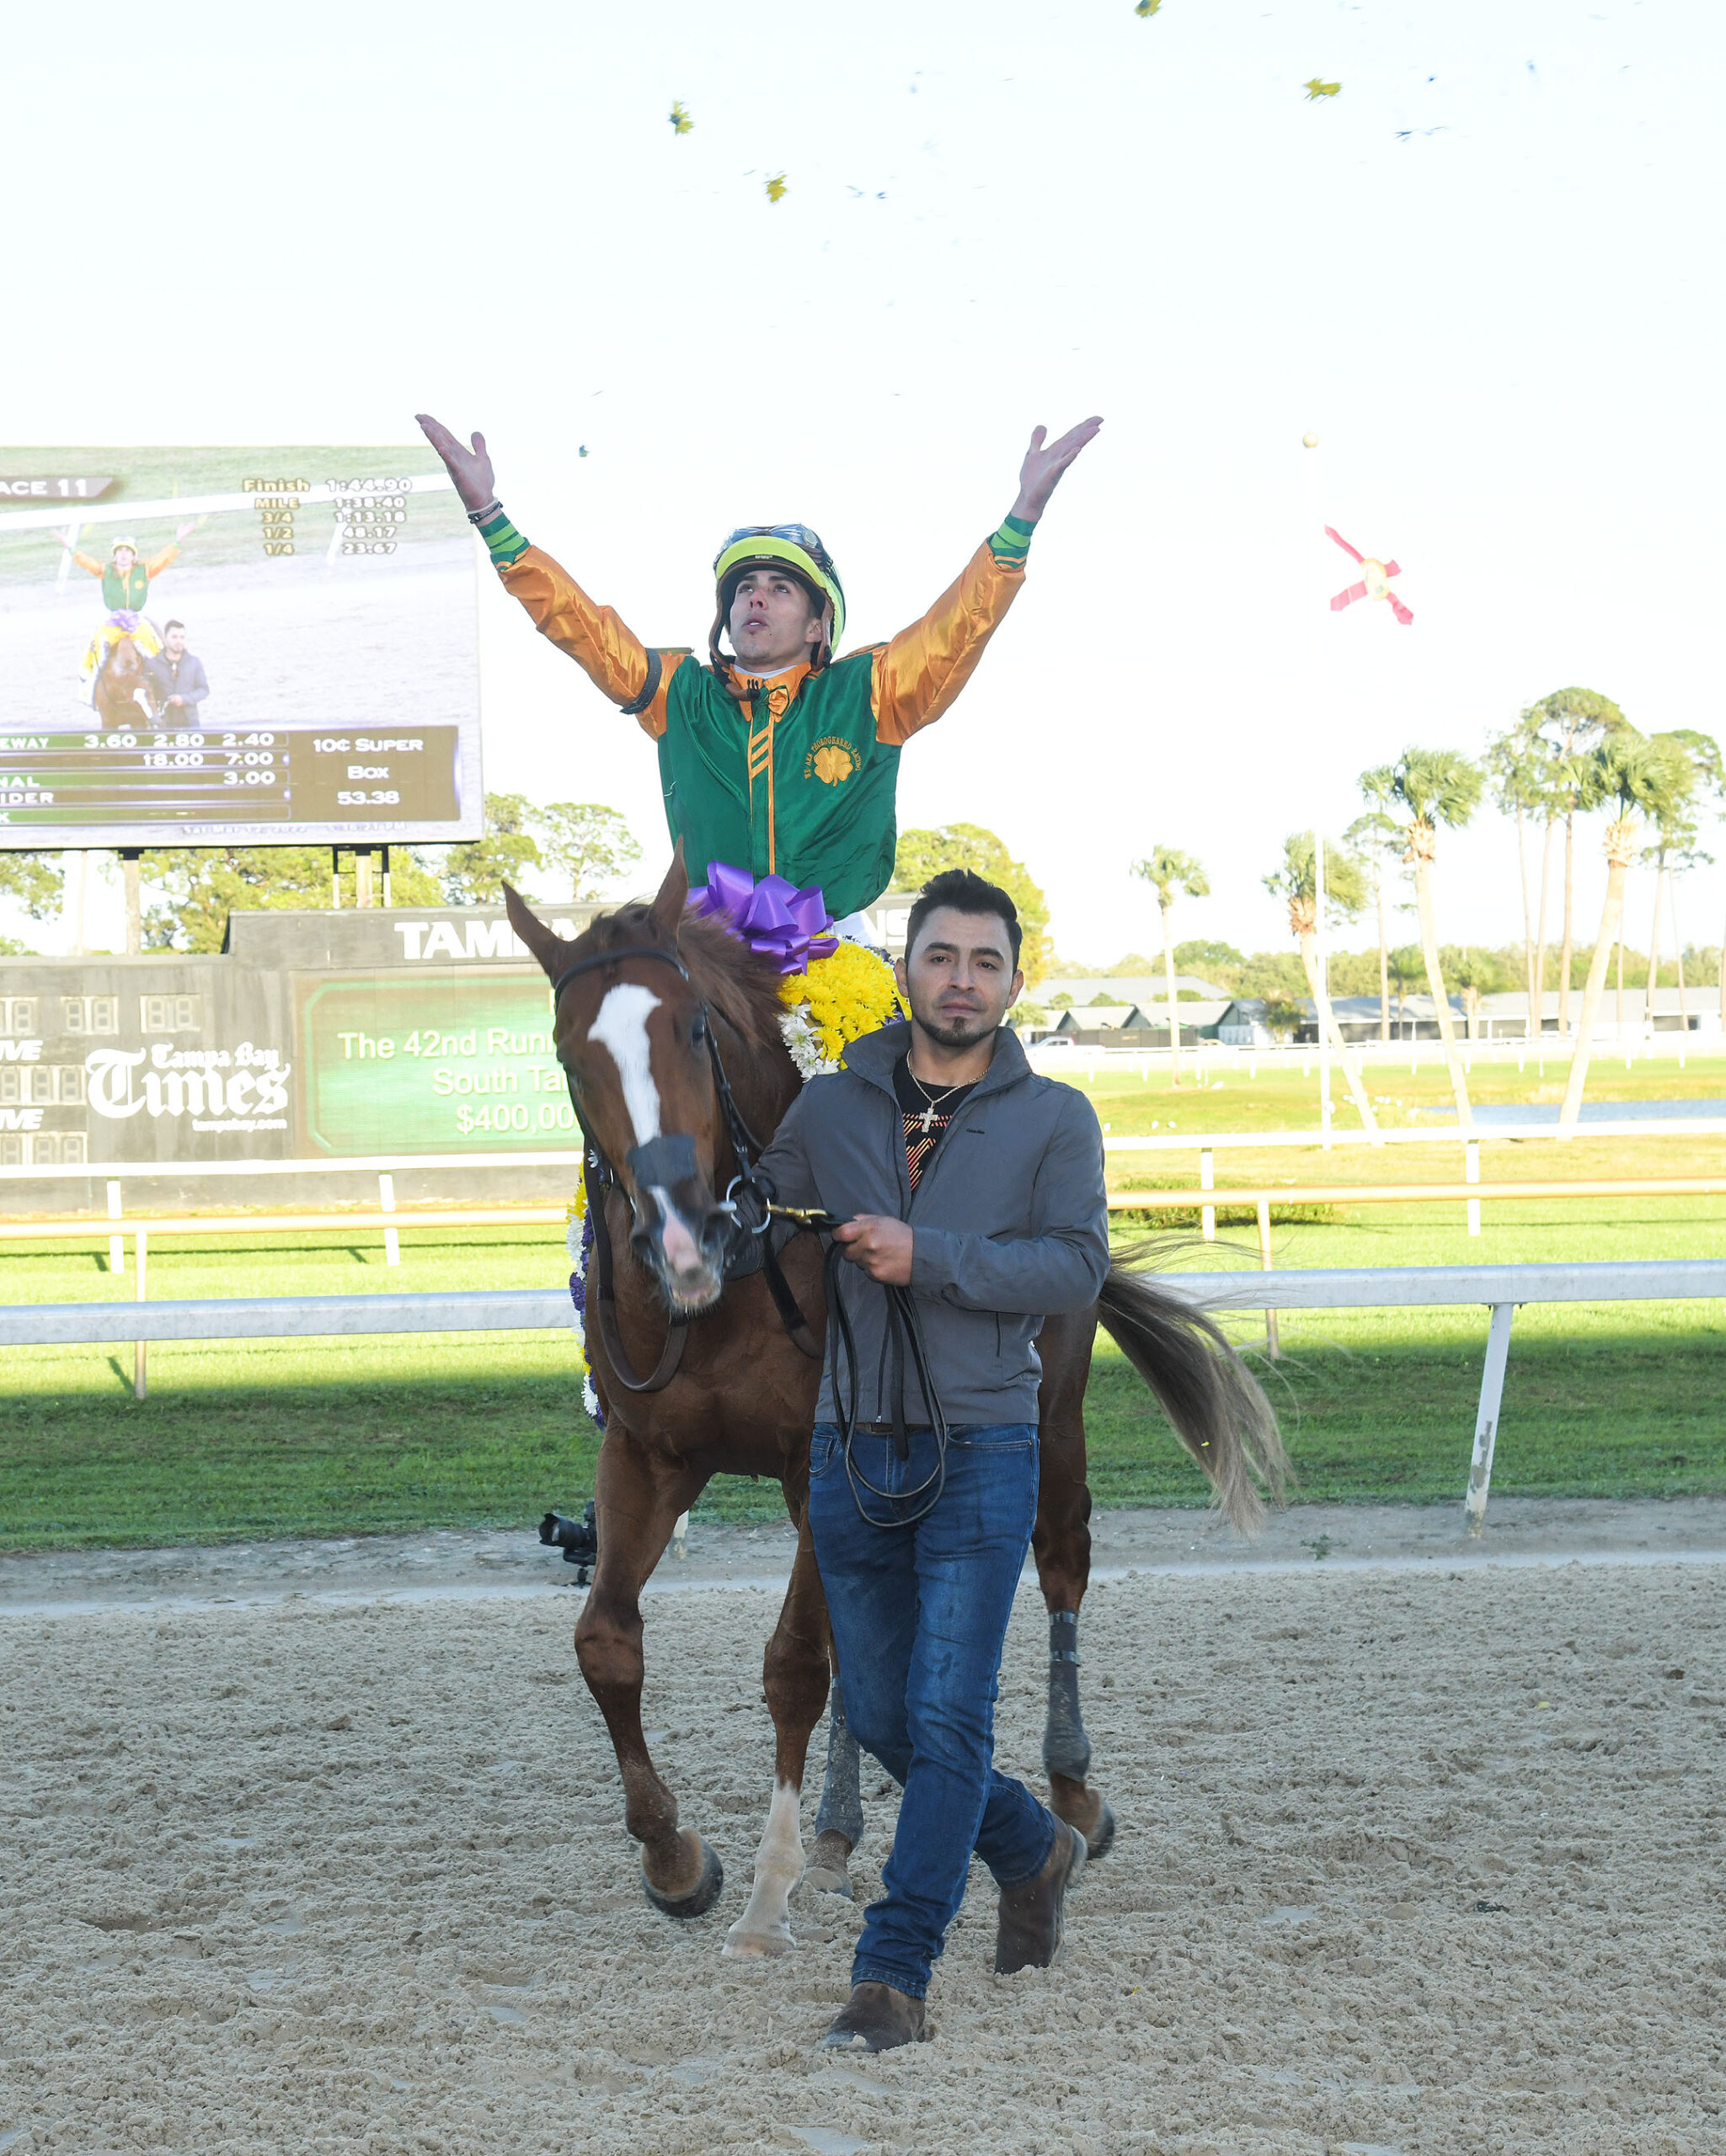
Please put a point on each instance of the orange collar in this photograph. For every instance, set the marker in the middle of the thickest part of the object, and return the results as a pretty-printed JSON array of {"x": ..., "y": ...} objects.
[{"x": 779, "y": 688}]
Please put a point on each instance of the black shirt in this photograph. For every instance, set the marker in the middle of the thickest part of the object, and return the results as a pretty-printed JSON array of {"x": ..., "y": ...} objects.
[{"x": 926, "y": 1111}]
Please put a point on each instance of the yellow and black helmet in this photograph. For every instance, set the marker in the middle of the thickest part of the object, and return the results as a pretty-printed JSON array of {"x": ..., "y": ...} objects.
[{"x": 793, "y": 547}]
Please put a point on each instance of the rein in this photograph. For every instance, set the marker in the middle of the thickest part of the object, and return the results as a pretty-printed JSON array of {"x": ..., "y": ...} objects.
[
  {"x": 746, "y": 1200},
  {"x": 905, "y": 1330}
]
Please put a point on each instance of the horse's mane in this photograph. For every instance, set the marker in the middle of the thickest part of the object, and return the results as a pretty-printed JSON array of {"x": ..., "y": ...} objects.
[{"x": 736, "y": 981}]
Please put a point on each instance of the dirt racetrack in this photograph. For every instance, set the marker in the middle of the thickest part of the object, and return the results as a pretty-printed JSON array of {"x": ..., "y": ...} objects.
[{"x": 1409, "y": 1861}]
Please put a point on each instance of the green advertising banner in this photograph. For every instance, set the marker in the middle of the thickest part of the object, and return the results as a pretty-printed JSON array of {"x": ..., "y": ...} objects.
[{"x": 457, "y": 1063}]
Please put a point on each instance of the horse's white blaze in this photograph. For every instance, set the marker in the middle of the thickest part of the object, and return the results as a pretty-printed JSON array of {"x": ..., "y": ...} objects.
[
  {"x": 621, "y": 1029},
  {"x": 765, "y": 1926}
]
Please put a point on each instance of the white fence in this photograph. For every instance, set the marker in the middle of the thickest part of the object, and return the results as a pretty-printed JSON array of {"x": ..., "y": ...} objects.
[{"x": 1500, "y": 1288}]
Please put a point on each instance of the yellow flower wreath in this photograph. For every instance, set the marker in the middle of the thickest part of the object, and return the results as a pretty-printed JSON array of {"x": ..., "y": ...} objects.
[{"x": 842, "y": 998}]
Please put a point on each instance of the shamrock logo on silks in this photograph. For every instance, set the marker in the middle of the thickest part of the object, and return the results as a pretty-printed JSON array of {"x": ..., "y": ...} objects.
[
  {"x": 833, "y": 763},
  {"x": 1374, "y": 581}
]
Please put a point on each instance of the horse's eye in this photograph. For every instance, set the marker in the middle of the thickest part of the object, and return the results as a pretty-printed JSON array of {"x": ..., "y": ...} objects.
[{"x": 698, "y": 1030}]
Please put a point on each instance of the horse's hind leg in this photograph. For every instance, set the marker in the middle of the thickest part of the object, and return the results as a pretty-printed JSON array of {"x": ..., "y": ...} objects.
[
  {"x": 839, "y": 1821},
  {"x": 1061, "y": 1541},
  {"x": 795, "y": 1678},
  {"x": 636, "y": 1504}
]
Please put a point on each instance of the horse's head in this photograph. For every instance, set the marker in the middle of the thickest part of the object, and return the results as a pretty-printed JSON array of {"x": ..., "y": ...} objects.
[
  {"x": 631, "y": 1033},
  {"x": 125, "y": 663}
]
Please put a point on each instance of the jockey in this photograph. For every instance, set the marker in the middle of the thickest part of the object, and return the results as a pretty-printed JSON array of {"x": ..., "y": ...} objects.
[
  {"x": 125, "y": 588},
  {"x": 777, "y": 757}
]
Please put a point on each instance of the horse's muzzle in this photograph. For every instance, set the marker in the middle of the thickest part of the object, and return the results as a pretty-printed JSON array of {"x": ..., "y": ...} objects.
[{"x": 681, "y": 1234}]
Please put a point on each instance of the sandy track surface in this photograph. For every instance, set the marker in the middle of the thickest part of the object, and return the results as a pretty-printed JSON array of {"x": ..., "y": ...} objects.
[
  {"x": 1521, "y": 1530},
  {"x": 1411, "y": 1859}
]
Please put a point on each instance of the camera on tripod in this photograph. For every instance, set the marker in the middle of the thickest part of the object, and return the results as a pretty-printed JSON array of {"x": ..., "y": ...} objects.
[{"x": 578, "y": 1539}]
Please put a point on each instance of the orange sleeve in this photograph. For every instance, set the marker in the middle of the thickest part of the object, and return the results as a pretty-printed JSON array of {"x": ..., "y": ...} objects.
[
  {"x": 85, "y": 562},
  {"x": 918, "y": 675},
  {"x": 155, "y": 568},
  {"x": 613, "y": 656}
]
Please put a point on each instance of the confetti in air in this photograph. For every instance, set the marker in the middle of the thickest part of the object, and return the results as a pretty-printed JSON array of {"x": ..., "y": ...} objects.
[
  {"x": 775, "y": 187},
  {"x": 582, "y": 451},
  {"x": 1375, "y": 580},
  {"x": 680, "y": 121},
  {"x": 1147, "y": 6},
  {"x": 1316, "y": 89}
]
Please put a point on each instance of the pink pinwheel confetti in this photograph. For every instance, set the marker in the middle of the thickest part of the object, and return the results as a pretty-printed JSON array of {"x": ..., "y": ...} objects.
[
  {"x": 773, "y": 916},
  {"x": 1374, "y": 581}
]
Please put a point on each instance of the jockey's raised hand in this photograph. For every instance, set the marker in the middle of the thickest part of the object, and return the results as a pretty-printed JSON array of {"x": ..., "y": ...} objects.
[
  {"x": 1040, "y": 473},
  {"x": 470, "y": 468}
]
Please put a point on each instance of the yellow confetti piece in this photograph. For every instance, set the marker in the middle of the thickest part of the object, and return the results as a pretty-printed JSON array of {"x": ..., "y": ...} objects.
[
  {"x": 1147, "y": 6},
  {"x": 1314, "y": 88},
  {"x": 679, "y": 117},
  {"x": 775, "y": 187}
]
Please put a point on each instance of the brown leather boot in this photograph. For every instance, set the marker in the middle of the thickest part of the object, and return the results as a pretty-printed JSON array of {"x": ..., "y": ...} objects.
[
  {"x": 876, "y": 2018},
  {"x": 1032, "y": 1913}
]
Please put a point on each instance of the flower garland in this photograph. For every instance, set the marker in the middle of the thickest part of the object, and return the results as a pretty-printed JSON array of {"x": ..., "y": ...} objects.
[
  {"x": 836, "y": 1002},
  {"x": 578, "y": 1239}
]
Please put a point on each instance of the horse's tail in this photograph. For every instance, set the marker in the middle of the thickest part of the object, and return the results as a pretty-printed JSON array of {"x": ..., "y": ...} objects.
[{"x": 1213, "y": 1399}]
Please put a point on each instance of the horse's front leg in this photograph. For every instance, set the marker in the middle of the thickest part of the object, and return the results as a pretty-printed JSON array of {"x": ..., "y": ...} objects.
[
  {"x": 636, "y": 1502},
  {"x": 795, "y": 1676},
  {"x": 1061, "y": 1541}
]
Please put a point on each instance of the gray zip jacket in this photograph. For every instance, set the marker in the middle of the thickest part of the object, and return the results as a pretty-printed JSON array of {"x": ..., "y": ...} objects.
[{"x": 1009, "y": 1218}]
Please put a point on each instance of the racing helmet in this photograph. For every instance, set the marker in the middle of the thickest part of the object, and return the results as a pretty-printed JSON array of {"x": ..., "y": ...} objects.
[
  {"x": 793, "y": 547},
  {"x": 122, "y": 541}
]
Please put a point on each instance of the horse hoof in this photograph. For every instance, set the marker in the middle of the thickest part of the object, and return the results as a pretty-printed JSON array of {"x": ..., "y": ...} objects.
[
  {"x": 700, "y": 1898},
  {"x": 1101, "y": 1839},
  {"x": 825, "y": 1880},
  {"x": 745, "y": 1945}
]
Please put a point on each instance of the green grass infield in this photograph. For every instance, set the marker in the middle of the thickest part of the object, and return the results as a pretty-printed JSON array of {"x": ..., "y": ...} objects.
[{"x": 243, "y": 1440}]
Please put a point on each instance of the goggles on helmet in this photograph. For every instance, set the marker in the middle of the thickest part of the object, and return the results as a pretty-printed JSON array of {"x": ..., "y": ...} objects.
[{"x": 800, "y": 550}]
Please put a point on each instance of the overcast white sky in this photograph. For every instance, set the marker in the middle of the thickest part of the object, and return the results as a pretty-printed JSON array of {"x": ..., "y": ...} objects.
[{"x": 1485, "y": 272}]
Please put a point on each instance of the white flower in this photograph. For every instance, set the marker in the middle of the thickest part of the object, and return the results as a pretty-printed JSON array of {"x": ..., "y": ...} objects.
[
  {"x": 805, "y": 1043},
  {"x": 589, "y": 1398}
]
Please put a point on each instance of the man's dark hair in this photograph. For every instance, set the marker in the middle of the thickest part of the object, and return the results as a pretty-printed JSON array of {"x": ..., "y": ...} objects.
[
  {"x": 172, "y": 626},
  {"x": 965, "y": 892}
]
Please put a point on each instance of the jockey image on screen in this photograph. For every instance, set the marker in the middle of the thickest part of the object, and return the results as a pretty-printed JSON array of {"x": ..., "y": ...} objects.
[
  {"x": 777, "y": 757},
  {"x": 125, "y": 589}
]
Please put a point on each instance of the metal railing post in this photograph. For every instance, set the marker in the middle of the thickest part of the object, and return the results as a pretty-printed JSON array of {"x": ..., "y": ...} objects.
[
  {"x": 1471, "y": 1173},
  {"x": 116, "y": 1244},
  {"x": 387, "y": 1203},
  {"x": 140, "y": 1348},
  {"x": 1273, "y": 1345},
  {"x": 1486, "y": 1423},
  {"x": 1207, "y": 1181}
]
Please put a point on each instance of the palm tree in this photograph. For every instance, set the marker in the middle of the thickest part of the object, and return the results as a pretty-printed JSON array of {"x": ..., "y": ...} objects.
[
  {"x": 1639, "y": 778},
  {"x": 1572, "y": 723},
  {"x": 1433, "y": 786},
  {"x": 1167, "y": 871},
  {"x": 1696, "y": 757},
  {"x": 1521, "y": 787},
  {"x": 1375, "y": 837},
  {"x": 1297, "y": 883}
]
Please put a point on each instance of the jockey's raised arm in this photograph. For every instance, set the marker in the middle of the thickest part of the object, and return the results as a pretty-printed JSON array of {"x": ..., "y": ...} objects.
[{"x": 777, "y": 757}]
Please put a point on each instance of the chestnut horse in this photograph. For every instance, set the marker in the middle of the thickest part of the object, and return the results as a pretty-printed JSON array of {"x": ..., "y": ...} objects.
[
  {"x": 118, "y": 684},
  {"x": 667, "y": 1027}
]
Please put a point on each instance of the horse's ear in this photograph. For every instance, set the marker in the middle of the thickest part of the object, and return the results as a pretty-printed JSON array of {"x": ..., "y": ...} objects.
[
  {"x": 545, "y": 943},
  {"x": 666, "y": 912}
]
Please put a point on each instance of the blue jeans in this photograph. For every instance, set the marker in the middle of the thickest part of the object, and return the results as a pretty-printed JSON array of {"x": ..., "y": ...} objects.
[{"x": 919, "y": 1616}]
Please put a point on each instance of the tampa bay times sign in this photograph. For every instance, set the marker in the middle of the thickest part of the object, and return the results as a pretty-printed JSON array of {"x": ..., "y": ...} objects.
[{"x": 314, "y": 1036}]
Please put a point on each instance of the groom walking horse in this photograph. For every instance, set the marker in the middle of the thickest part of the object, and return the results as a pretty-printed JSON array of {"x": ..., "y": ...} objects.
[{"x": 667, "y": 1026}]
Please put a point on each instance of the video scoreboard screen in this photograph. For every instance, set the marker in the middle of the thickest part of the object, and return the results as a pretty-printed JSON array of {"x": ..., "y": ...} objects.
[{"x": 242, "y": 647}]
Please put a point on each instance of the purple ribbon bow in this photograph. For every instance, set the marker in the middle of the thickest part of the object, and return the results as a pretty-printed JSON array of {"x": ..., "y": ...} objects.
[{"x": 772, "y": 917}]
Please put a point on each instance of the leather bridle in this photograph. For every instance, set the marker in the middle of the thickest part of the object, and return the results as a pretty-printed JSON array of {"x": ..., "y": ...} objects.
[{"x": 666, "y": 1161}]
